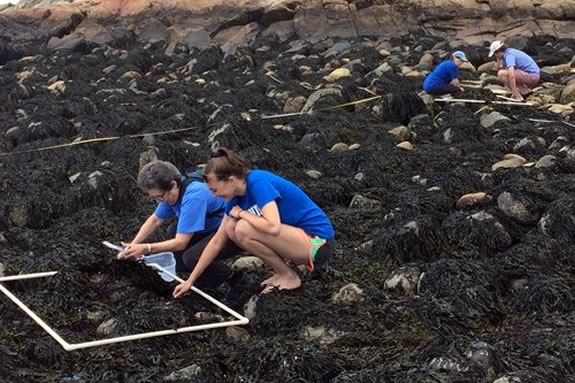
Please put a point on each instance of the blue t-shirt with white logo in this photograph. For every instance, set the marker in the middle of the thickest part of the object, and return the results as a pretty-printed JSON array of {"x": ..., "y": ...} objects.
[
  {"x": 295, "y": 207},
  {"x": 519, "y": 60},
  {"x": 441, "y": 76},
  {"x": 192, "y": 210}
]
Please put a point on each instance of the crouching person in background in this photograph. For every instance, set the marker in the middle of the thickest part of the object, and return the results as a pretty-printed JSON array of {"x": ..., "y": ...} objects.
[
  {"x": 518, "y": 71},
  {"x": 445, "y": 77}
]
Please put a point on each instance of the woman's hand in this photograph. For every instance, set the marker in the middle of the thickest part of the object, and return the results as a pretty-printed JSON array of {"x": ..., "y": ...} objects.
[
  {"x": 235, "y": 212},
  {"x": 498, "y": 64},
  {"x": 182, "y": 289},
  {"x": 132, "y": 251}
]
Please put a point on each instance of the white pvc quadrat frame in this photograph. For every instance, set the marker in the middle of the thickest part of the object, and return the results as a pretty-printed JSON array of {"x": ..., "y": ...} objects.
[{"x": 240, "y": 320}]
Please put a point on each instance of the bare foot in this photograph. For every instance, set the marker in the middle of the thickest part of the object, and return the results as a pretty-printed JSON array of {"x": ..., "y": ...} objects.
[
  {"x": 524, "y": 90},
  {"x": 268, "y": 289},
  {"x": 287, "y": 282},
  {"x": 517, "y": 96},
  {"x": 270, "y": 281}
]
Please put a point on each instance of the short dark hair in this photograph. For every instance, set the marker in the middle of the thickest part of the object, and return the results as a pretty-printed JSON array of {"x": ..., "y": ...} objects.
[{"x": 158, "y": 175}]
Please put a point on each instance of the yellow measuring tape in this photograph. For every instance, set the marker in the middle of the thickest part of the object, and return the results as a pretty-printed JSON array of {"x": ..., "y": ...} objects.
[
  {"x": 105, "y": 139},
  {"x": 353, "y": 102},
  {"x": 375, "y": 97},
  {"x": 101, "y": 139}
]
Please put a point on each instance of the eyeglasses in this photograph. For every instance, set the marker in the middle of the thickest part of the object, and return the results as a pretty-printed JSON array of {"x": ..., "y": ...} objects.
[{"x": 160, "y": 197}]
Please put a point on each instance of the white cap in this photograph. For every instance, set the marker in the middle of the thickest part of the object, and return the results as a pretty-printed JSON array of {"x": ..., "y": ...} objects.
[{"x": 495, "y": 46}]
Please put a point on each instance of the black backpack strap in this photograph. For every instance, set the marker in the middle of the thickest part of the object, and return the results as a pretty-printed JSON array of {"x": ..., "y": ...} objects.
[
  {"x": 188, "y": 179},
  {"x": 183, "y": 185}
]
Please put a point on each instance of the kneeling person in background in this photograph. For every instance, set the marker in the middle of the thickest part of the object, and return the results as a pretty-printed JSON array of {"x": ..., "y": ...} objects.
[
  {"x": 518, "y": 71},
  {"x": 445, "y": 77}
]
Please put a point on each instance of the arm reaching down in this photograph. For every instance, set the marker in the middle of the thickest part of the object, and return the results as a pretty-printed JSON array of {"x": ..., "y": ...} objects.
[
  {"x": 137, "y": 248},
  {"x": 149, "y": 227},
  {"x": 455, "y": 82},
  {"x": 213, "y": 248},
  {"x": 178, "y": 243}
]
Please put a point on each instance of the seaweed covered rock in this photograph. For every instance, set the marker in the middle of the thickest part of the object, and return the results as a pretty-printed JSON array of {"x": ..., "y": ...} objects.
[
  {"x": 418, "y": 240},
  {"x": 558, "y": 221},
  {"x": 481, "y": 231},
  {"x": 524, "y": 200},
  {"x": 423, "y": 125},
  {"x": 399, "y": 107},
  {"x": 518, "y": 207},
  {"x": 465, "y": 129},
  {"x": 404, "y": 280},
  {"x": 535, "y": 255},
  {"x": 544, "y": 294},
  {"x": 457, "y": 296}
]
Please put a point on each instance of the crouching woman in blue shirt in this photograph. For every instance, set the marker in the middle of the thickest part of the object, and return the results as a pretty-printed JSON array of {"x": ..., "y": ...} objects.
[
  {"x": 198, "y": 212},
  {"x": 268, "y": 216}
]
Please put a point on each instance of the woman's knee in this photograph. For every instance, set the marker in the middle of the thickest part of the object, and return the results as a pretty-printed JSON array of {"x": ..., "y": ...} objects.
[
  {"x": 231, "y": 229},
  {"x": 243, "y": 231},
  {"x": 502, "y": 74}
]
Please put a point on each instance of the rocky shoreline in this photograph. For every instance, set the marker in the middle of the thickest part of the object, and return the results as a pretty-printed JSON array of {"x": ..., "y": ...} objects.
[
  {"x": 236, "y": 23},
  {"x": 454, "y": 221}
]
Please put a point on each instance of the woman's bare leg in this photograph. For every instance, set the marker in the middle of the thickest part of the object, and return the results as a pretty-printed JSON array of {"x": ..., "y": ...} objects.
[
  {"x": 503, "y": 75},
  {"x": 291, "y": 244},
  {"x": 231, "y": 232}
]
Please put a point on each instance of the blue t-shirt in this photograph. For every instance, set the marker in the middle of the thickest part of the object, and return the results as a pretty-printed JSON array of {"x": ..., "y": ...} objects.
[
  {"x": 192, "y": 210},
  {"x": 295, "y": 207},
  {"x": 441, "y": 76},
  {"x": 519, "y": 60}
]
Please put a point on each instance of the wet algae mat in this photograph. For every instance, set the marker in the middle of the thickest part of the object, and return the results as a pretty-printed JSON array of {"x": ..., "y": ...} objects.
[{"x": 422, "y": 288}]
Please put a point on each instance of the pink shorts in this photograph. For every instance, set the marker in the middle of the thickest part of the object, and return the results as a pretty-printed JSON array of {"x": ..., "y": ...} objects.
[
  {"x": 523, "y": 78},
  {"x": 527, "y": 79}
]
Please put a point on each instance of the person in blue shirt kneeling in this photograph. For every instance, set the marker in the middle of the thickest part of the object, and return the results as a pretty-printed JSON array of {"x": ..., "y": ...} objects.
[
  {"x": 198, "y": 212},
  {"x": 445, "y": 77},
  {"x": 268, "y": 216}
]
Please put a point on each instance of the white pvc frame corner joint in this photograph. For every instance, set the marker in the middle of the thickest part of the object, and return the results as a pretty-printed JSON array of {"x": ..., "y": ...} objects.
[{"x": 240, "y": 319}]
